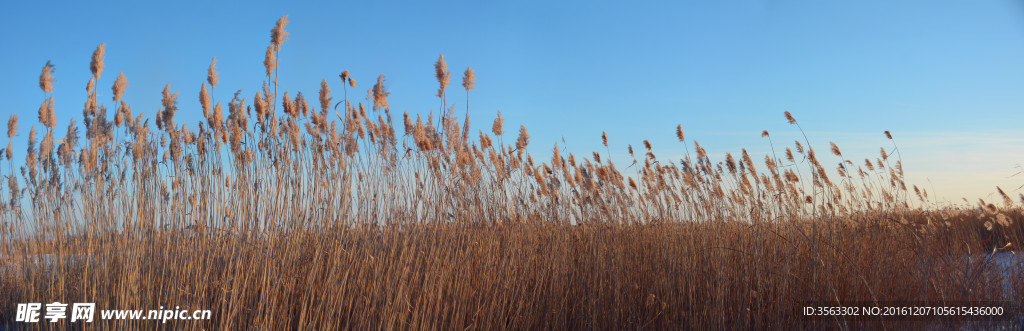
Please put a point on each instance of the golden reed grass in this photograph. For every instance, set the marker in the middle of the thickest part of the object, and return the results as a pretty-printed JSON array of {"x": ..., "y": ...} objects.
[{"x": 302, "y": 219}]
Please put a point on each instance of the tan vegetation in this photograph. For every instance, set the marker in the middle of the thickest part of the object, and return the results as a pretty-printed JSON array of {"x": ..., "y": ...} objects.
[{"x": 323, "y": 217}]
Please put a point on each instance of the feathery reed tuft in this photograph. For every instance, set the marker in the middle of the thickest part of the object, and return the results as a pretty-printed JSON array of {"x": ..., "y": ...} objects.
[
  {"x": 270, "y": 61},
  {"x": 212, "y": 76},
  {"x": 524, "y": 139},
  {"x": 278, "y": 35},
  {"x": 790, "y": 118},
  {"x": 96, "y": 65},
  {"x": 170, "y": 107},
  {"x": 46, "y": 78},
  {"x": 380, "y": 94},
  {"x": 469, "y": 79},
  {"x": 442, "y": 74},
  {"x": 120, "y": 84},
  {"x": 12, "y": 126},
  {"x": 498, "y": 127}
]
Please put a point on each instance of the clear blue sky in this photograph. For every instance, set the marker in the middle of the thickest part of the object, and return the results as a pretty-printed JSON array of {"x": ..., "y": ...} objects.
[{"x": 947, "y": 77}]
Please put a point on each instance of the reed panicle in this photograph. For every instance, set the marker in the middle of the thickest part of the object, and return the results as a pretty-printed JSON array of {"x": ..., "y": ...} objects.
[
  {"x": 380, "y": 94},
  {"x": 120, "y": 84},
  {"x": 46, "y": 79},
  {"x": 12, "y": 126},
  {"x": 523, "y": 140},
  {"x": 96, "y": 65},
  {"x": 442, "y": 74},
  {"x": 498, "y": 127},
  {"x": 212, "y": 76},
  {"x": 469, "y": 79}
]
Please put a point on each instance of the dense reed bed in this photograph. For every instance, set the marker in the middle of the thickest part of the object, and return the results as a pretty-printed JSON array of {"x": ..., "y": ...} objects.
[{"x": 282, "y": 212}]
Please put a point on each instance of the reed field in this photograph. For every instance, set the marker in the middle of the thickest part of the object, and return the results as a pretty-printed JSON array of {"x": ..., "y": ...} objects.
[{"x": 282, "y": 212}]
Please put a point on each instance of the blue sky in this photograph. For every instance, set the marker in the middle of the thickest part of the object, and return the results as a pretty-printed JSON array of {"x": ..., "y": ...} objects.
[{"x": 946, "y": 77}]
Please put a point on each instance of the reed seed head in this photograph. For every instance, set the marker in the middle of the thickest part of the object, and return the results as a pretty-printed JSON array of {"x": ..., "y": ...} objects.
[
  {"x": 205, "y": 101},
  {"x": 701, "y": 153},
  {"x": 469, "y": 79},
  {"x": 442, "y": 74},
  {"x": 270, "y": 61},
  {"x": 380, "y": 94},
  {"x": 96, "y": 65},
  {"x": 120, "y": 84},
  {"x": 1006, "y": 198},
  {"x": 485, "y": 140},
  {"x": 170, "y": 103},
  {"x": 278, "y": 35},
  {"x": 12, "y": 126},
  {"x": 835, "y": 149},
  {"x": 790, "y": 118},
  {"x": 498, "y": 127},
  {"x": 524, "y": 138},
  {"x": 211, "y": 74},
  {"x": 325, "y": 96},
  {"x": 46, "y": 78},
  {"x": 47, "y": 114}
]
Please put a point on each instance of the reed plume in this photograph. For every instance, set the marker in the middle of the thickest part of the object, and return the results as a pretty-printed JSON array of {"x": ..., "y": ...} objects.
[
  {"x": 46, "y": 78},
  {"x": 96, "y": 65},
  {"x": 12, "y": 126},
  {"x": 325, "y": 96},
  {"x": 469, "y": 79},
  {"x": 120, "y": 84},
  {"x": 47, "y": 113},
  {"x": 498, "y": 127},
  {"x": 523, "y": 140},
  {"x": 278, "y": 35},
  {"x": 442, "y": 74},
  {"x": 270, "y": 61},
  {"x": 205, "y": 101},
  {"x": 212, "y": 76},
  {"x": 170, "y": 107},
  {"x": 380, "y": 94}
]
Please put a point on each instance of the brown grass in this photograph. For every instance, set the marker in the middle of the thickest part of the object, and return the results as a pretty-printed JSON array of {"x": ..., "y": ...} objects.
[{"x": 304, "y": 220}]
